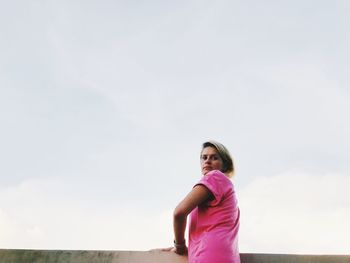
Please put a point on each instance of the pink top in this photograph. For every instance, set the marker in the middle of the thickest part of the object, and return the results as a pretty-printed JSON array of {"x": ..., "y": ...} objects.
[{"x": 213, "y": 232}]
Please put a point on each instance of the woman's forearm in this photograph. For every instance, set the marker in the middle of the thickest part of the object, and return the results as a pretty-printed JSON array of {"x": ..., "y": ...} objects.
[
  {"x": 179, "y": 233},
  {"x": 197, "y": 196},
  {"x": 179, "y": 227}
]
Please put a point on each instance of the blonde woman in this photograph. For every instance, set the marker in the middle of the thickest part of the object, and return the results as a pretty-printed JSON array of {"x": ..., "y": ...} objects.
[{"x": 212, "y": 207}]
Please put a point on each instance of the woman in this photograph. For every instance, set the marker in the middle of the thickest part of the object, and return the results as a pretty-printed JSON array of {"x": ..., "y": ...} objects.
[{"x": 213, "y": 210}]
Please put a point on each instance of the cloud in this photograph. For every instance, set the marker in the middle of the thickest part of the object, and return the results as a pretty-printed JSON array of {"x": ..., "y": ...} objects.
[
  {"x": 288, "y": 213},
  {"x": 43, "y": 214},
  {"x": 296, "y": 212}
]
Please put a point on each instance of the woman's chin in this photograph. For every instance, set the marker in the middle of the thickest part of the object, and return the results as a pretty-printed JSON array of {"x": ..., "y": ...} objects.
[{"x": 205, "y": 171}]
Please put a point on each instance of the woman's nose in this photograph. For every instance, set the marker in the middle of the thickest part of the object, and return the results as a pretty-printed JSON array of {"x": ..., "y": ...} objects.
[{"x": 208, "y": 160}]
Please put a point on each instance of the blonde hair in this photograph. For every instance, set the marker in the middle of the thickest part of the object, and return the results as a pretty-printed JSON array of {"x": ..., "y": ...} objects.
[{"x": 227, "y": 161}]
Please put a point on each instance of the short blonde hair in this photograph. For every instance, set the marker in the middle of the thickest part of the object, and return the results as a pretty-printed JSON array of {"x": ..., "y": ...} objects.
[{"x": 227, "y": 161}]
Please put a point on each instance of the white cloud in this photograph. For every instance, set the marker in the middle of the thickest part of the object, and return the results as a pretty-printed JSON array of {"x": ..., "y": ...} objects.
[
  {"x": 287, "y": 213},
  {"x": 39, "y": 214},
  {"x": 296, "y": 213}
]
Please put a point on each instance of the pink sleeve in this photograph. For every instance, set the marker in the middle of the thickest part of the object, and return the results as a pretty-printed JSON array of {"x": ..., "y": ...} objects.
[{"x": 216, "y": 183}]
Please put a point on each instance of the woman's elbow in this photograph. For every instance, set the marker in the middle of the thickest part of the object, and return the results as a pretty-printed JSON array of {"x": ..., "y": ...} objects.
[{"x": 179, "y": 213}]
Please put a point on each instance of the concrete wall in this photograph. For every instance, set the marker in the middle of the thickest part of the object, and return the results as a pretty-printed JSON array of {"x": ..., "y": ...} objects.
[{"x": 76, "y": 256}]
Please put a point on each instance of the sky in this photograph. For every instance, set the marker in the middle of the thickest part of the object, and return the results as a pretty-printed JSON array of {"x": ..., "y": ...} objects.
[{"x": 104, "y": 106}]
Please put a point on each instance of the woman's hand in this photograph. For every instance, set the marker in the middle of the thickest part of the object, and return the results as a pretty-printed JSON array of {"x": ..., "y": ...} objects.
[
  {"x": 181, "y": 250},
  {"x": 167, "y": 249}
]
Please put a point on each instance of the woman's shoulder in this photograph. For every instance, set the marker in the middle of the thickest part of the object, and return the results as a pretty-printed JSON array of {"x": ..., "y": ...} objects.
[
  {"x": 218, "y": 183},
  {"x": 219, "y": 176}
]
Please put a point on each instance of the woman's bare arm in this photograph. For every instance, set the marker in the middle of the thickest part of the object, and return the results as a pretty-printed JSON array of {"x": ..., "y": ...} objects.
[{"x": 197, "y": 196}]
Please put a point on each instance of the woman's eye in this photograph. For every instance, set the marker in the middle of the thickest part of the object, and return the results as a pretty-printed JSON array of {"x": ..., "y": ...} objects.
[{"x": 212, "y": 157}]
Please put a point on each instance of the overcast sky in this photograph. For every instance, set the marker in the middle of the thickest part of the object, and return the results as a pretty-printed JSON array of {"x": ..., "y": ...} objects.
[{"x": 104, "y": 106}]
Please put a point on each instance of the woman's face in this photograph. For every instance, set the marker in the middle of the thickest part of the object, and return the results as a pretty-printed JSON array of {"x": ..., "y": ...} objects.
[{"x": 210, "y": 160}]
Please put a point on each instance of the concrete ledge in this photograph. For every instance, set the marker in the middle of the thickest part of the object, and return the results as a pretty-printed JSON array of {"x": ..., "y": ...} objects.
[
  {"x": 87, "y": 256},
  {"x": 290, "y": 258},
  {"x": 84, "y": 256}
]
